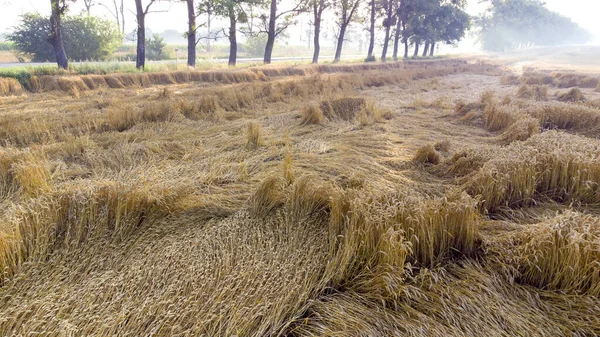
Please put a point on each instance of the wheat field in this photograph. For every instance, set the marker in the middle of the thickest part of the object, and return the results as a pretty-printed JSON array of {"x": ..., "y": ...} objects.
[{"x": 431, "y": 198}]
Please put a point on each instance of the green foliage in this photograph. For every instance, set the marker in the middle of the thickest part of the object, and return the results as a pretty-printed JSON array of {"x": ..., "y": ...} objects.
[
  {"x": 7, "y": 46},
  {"x": 509, "y": 24},
  {"x": 434, "y": 20},
  {"x": 227, "y": 8},
  {"x": 85, "y": 38},
  {"x": 255, "y": 45},
  {"x": 155, "y": 48}
]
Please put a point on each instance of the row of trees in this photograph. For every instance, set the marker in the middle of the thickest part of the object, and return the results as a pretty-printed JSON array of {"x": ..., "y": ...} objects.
[
  {"x": 510, "y": 24},
  {"x": 412, "y": 21},
  {"x": 418, "y": 22}
]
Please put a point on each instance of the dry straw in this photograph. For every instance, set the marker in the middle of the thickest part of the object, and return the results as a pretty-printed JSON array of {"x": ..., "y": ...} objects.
[
  {"x": 126, "y": 213},
  {"x": 562, "y": 254}
]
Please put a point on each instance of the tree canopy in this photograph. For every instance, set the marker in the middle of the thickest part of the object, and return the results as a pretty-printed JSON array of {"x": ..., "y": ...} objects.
[{"x": 85, "y": 38}]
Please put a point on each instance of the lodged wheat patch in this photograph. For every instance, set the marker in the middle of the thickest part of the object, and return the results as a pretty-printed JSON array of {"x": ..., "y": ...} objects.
[
  {"x": 290, "y": 201},
  {"x": 562, "y": 253},
  {"x": 555, "y": 165},
  {"x": 427, "y": 155},
  {"x": 10, "y": 87}
]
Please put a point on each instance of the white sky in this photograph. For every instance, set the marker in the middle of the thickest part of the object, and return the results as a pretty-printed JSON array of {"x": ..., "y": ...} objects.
[{"x": 584, "y": 12}]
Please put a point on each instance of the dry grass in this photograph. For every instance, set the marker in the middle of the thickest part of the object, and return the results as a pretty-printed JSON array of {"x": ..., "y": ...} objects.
[
  {"x": 566, "y": 116},
  {"x": 461, "y": 108},
  {"x": 345, "y": 108},
  {"x": 167, "y": 211},
  {"x": 552, "y": 165},
  {"x": 562, "y": 254},
  {"x": 521, "y": 130},
  {"x": 537, "y": 92},
  {"x": 10, "y": 87},
  {"x": 532, "y": 78},
  {"x": 567, "y": 80},
  {"x": 311, "y": 115},
  {"x": 254, "y": 137},
  {"x": 427, "y": 155},
  {"x": 573, "y": 95}
]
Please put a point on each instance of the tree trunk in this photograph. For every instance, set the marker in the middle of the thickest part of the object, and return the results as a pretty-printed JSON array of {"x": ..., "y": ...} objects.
[
  {"x": 232, "y": 37},
  {"x": 317, "y": 45},
  {"x": 123, "y": 17},
  {"x": 372, "y": 31},
  {"x": 340, "y": 43},
  {"x": 271, "y": 33},
  {"x": 317, "y": 14},
  {"x": 396, "y": 39},
  {"x": 191, "y": 35},
  {"x": 431, "y": 48},
  {"x": 416, "y": 49},
  {"x": 140, "y": 62},
  {"x": 426, "y": 49},
  {"x": 388, "y": 27},
  {"x": 117, "y": 17},
  {"x": 208, "y": 21},
  {"x": 56, "y": 35}
]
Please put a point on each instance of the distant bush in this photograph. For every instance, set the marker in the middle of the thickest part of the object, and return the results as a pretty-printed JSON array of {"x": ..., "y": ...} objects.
[
  {"x": 255, "y": 46},
  {"x": 155, "y": 48},
  {"x": 85, "y": 38},
  {"x": 7, "y": 46}
]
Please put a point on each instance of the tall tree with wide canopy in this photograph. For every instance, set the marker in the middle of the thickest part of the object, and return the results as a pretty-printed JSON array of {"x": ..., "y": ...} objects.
[
  {"x": 451, "y": 25},
  {"x": 345, "y": 10}
]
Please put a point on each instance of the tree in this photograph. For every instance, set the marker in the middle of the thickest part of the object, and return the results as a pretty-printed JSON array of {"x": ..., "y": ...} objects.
[
  {"x": 140, "y": 14},
  {"x": 191, "y": 33},
  {"x": 156, "y": 48},
  {"x": 59, "y": 8},
  {"x": 88, "y": 5},
  {"x": 255, "y": 45},
  {"x": 118, "y": 14},
  {"x": 208, "y": 8},
  {"x": 398, "y": 30},
  {"x": 273, "y": 27},
  {"x": 452, "y": 24},
  {"x": 373, "y": 13},
  {"x": 318, "y": 7},
  {"x": 388, "y": 22},
  {"x": 421, "y": 22},
  {"x": 233, "y": 10},
  {"x": 85, "y": 38},
  {"x": 345, "y": 11}
]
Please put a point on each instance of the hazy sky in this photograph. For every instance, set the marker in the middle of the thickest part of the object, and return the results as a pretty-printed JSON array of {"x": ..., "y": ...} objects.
[{"x": 584, "y": 12}]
